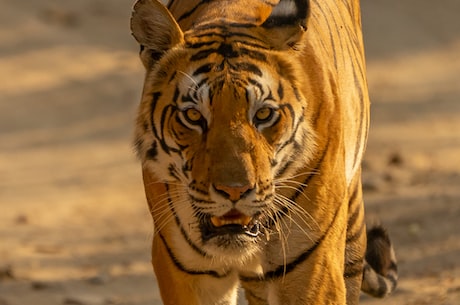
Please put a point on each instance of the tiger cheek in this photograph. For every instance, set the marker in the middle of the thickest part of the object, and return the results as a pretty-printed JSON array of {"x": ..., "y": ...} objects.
[
  {"x": 184, "y": 137},
  {"x": 274, "y": 134}
]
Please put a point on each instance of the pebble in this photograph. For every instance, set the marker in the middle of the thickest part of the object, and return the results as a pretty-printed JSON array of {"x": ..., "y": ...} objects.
[
  {"x": 6, "y": 273},
  {"x": 87, "y": 300},
  {"x": 395, "y": 159}
]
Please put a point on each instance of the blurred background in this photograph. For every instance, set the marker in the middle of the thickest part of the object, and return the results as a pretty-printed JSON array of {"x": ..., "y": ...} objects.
[{"x": 74, "y": 224}]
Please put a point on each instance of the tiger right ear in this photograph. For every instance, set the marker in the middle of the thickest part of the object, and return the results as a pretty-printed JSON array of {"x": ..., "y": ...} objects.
[{"x": 155, "y": 29}]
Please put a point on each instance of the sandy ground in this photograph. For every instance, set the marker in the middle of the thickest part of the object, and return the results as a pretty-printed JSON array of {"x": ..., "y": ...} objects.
[{"x": 74, "y": 225}]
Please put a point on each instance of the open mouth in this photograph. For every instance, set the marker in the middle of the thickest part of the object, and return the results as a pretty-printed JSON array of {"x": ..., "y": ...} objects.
[
  {"x": 233, "y": 217},
  {"x": 233, "y": 222}
]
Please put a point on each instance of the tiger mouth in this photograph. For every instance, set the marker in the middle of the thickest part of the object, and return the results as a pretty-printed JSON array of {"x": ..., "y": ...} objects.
[
  {"x": 232, "y": 223},
  {"x": 233, "y": 217}
]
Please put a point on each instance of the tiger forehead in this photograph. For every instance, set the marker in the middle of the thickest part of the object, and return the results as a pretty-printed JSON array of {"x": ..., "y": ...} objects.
[
  {"x": 224, "y": 34},
  {"x": 225, "y": 44},
  {"x": 208, "y": 80}
]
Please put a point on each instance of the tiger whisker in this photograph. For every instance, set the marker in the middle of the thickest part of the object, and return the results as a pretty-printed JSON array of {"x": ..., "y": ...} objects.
[
  {"x": 297, "y": 210},
  {"x": 296, "y": 223}
]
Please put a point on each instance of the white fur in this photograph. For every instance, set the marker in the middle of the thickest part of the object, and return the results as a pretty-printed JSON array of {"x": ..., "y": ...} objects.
[{"x": 285, "y": 8}]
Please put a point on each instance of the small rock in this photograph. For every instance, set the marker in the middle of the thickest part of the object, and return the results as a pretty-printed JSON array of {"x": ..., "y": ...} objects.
[
  {"x": 6, "y": 273},
  {"x": 39, "y": 285},
  {"x": 86, "y": 300},
  {"x": 21, "y": 219},
  {"x": 395, "y": 159},
  {"x": 100, "y": 279},
  {"x": 90, "y": 300}
]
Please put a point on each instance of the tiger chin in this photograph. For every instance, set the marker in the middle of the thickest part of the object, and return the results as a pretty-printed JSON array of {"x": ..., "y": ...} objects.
[{"x": 251, "y": 130}]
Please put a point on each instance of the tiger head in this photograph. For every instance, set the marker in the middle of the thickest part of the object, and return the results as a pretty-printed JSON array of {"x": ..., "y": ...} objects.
[{"x": 222, "y": 123}]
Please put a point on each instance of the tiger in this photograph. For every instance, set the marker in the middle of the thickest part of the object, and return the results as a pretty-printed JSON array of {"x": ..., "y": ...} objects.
[{"x": 250, "y": 131}]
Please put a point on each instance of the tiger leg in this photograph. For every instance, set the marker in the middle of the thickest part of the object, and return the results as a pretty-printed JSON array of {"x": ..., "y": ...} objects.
[
  {"x": 316, "y": 276},
  {"x": 355, "y": 243},
  {"x": 370, "y": 262},
  {"x": 178, "y": 287},
  {"x": 317, "y": 281}
]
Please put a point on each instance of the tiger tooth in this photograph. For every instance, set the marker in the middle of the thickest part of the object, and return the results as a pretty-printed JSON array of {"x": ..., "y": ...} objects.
[{"x": 222, "y": 221}]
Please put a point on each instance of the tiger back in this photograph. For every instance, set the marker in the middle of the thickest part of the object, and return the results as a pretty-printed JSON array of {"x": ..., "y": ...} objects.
[{"x": 251, "y": 130}]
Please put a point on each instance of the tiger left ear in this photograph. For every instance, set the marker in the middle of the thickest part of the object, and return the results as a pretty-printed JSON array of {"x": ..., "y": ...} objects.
[
  {"x": 287, "y": 23},
  {"x": 155, "y": 29}
]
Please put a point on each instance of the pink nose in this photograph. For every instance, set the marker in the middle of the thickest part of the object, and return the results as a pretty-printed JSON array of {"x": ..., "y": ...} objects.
[{"x": 233, "y": 193}]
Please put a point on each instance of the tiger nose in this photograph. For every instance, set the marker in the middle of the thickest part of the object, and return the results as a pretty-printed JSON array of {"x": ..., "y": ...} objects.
[{"x": 233, "y": 193}]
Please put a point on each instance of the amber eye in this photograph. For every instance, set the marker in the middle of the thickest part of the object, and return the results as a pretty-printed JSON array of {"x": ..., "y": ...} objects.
[
  {"x": 193, "y": 116},
  {"x": 263, "y": 115}
]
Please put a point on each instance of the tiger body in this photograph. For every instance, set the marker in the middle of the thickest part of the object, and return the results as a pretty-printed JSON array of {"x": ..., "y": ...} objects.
[{"x": 251, "y": 131}]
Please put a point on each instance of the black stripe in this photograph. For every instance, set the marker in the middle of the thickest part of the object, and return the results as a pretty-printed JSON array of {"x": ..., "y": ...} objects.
[
  {"x": 295, "y": 128},
  {"x": 202, "y": 54},
  {"x": 329, "y": 30},
  {"x": 182, "y": 267},
  {"x": 176, "y": 95},
  {"x": 199, "y": 45},
  {"x": 248, "y": 67},
  {"x": 305, "y": 183},
  {"x": 224, "y": 26},
  {"x": 253, "y": 54},
  {"x": 357, "y": 234},
  {"x": 206, "y": 68},
  {"x": 354, "y": 268},
  {"x": 152, "y": 152},
  {"x": 187, "y": 167},
  {"x": 280, "y": 91},
  {"x": 191, "y": 11},
  {"x": 155, "y": 97},
  {"x": 228, "y": 51},
  {"x": 173, "y": 75},
  {"x": 283, "y": 169},
  {"x": 224, "y": 32},
  {"x": 173, "y": 172},
  {"x": 355, "y": 214},
  {"x": 164, "y": 115},
  {"x": 357, "y": 211},
  {"x": 256, "y": 84}
]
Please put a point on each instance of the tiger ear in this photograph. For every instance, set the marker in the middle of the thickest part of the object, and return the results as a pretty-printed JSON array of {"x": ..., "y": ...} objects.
[
  {"x": 287, "y": 23},
  {"x": 153, "y": 26}
]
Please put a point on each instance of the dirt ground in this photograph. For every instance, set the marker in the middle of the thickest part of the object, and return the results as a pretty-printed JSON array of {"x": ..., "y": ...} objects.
[{"x": 74, "y": 225}]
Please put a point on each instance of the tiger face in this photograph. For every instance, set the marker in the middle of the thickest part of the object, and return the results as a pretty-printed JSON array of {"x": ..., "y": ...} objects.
[{"x": 224, "y": 130}]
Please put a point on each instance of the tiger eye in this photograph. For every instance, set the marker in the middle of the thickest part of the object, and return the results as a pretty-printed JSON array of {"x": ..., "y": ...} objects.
[
  {"x": 193, "y": 115},
  {"x": 264, "y": 114}
]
